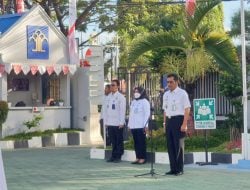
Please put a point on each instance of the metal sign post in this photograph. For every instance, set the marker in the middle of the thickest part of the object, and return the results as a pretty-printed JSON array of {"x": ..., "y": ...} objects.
[{"x": 205, "y": 118}]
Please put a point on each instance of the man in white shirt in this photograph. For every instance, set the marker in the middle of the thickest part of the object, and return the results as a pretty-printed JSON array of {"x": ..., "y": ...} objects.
[
  {"x": 103, "y": 131},
  {"x": 114, "y": 118},
  {"x": 176, "y": 106}
]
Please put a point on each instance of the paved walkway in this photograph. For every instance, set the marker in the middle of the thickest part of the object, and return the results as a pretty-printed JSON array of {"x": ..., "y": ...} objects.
[{"x": 72, "y": 169}]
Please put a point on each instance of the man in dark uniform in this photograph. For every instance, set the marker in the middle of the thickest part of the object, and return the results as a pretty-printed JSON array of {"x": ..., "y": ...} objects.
[{"x": 176, "y": 107}]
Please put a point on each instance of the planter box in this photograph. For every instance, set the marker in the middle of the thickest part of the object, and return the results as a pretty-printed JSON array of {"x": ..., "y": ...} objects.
[
  {"x": 35, "y": 142},
  {"x": 7, "y": 144},
  {"x": 188, "y": 158},
  {"x": 61, "y": 139},
  {"x": 48, "y": 141},
  {"x": 73, "y": 138},
  {"x": 221, "y": 158},
  {"x": 21, "y": 144}
]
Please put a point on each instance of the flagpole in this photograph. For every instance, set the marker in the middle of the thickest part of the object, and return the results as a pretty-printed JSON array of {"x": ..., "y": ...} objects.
[{"x": 244, "y": 84}]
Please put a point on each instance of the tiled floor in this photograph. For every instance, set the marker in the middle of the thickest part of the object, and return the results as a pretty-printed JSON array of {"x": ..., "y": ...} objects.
[{"x": 71, "y": 169}]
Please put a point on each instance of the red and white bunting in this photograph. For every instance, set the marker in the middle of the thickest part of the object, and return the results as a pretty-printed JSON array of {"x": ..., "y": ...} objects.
[
  {"x": 8, "y": 68},
  {"x": 72, "y": 69},
  {"x": 17, "y": 69},
  {"x": 65, "y": 69},
  {"x": 33, "y": 69},
  {"x": 190, "y": 7},
  {"x": 50, "y": 69},
  {"x": 41, "y": 69},
  {"x": 57, "y": 69},
  {"x": 1, "y": 69},
  {"x": 25, "y": 69}
]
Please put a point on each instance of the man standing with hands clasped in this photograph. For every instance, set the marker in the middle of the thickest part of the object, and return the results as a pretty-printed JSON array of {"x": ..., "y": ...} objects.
[
  {"x": 176, "y": 106},
  {"x": 114, "y": 119}
]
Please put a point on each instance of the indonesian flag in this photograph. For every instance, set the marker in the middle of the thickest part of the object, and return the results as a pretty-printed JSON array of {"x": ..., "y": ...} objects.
[
  {"x": 190, "y": 7},
  {"x": 73, "y": 56},
  {"x": 19, "y": 6}
]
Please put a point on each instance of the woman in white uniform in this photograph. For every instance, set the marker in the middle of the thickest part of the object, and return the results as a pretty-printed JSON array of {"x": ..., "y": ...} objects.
[{"x": 138, "y": 122}]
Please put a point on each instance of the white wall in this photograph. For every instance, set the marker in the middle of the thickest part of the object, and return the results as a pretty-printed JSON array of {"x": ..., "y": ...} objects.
[{"x": 52, "y": 117}]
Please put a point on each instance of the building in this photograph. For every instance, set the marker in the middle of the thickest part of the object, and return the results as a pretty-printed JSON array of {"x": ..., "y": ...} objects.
[{"x": 37, "y": 79}]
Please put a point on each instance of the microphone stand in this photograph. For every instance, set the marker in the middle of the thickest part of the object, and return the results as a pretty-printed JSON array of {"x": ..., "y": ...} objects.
[{"x": 151, "y": 125}]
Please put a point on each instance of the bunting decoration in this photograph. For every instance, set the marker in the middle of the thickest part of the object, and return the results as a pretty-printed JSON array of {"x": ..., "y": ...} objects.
[
  {"x": 190, "y": 7},
  {"x": 1, "y": 70},
  {"x": 33, "y": 69},
  {"x": 17, "y": 69},
  {"x": 65, "y": 69},
  {"x": 50, "y": 69}
]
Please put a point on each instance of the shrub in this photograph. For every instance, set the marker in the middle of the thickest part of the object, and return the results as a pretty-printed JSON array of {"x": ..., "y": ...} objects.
[
  {"x": 3, "y": 112},
  {"x": 35, "y": 122}
]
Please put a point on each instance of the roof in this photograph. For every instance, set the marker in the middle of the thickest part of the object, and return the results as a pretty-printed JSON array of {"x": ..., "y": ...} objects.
[{"x": 6, "y": 21}]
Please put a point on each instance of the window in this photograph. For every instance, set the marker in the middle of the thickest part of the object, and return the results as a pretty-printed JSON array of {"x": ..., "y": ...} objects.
[{"x": 50, "y": 87}]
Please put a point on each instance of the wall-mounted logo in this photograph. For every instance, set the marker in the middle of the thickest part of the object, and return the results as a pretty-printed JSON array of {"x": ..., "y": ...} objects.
[{"x": 37, "y": 42}]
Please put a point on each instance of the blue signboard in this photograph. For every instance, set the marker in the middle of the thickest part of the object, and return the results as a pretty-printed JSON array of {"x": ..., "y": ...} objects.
[{"x": 37, "y": 42}]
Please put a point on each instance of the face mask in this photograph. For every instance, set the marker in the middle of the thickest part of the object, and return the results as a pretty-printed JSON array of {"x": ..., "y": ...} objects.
[{"x": 137, "y": 95}]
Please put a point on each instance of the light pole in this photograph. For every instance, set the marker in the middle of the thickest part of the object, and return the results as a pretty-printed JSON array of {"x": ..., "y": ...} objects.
[{"x": 244, "y": 83}]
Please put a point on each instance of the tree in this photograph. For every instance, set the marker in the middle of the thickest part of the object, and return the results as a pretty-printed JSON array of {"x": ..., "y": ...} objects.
[
  {"x": 96, "y": 12},
  {"x": 136, "y": 18},
  {"x": 199, "y": 48}
]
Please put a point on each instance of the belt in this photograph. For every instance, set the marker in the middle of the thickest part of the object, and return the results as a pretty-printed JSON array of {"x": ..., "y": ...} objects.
[{"x": 175, "y": 116}]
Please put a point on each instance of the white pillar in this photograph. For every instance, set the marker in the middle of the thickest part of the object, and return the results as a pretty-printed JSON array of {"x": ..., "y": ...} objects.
[
  {"x": 3, "y": 185},
  {"x": 245, "y": 143}
]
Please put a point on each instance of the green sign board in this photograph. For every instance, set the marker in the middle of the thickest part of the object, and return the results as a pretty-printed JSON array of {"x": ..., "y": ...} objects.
[{"x": 204, "y": 113}]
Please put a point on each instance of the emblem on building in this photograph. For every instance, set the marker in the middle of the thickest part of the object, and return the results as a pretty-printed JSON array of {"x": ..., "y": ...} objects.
[{"x": 37, "y": 42}]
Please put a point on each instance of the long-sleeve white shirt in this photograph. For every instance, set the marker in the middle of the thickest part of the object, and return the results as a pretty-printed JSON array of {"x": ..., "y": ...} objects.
[
  {"x": 104, "y": 104},
  {"x": 139, "y": 114},
  {"x": 114, "y": 110}
]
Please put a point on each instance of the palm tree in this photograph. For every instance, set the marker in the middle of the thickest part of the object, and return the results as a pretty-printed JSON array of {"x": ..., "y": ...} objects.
[{"x": 201, "y": 49}]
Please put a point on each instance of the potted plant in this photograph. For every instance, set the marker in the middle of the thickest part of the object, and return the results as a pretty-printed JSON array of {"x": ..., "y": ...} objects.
[{"x": 60, "y": 102}]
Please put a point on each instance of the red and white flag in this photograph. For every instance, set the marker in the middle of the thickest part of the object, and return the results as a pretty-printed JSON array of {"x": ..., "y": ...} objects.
[
  {"x": 190, "y": 7},
  {"x": 73, "y": 56},
  {"x": 19, "y": 6}
]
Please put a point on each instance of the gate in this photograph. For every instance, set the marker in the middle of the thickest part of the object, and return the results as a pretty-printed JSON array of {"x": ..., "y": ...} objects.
[{"x": 145, "y": 77}]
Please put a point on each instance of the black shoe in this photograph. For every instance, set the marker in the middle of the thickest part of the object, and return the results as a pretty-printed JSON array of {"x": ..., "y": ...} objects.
[
  {"x": 179, "y": 173},
  {"x": 117, "y": 160},
  {"x": 135, "y": 162},
  {"x": 110, "y": 160},
  {"x": 170, "y": 173}
]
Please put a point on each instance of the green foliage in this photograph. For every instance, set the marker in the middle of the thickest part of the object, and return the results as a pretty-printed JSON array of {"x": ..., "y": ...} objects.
[
  {"x": 203, "y": 47},
  {"x": 35, "y": 122},
  {"x": 217, "y": 140},
  {"x": 231, "y": 87},
  {"x": 29, "y": 135},
  {"x": 3, "y": 112}
]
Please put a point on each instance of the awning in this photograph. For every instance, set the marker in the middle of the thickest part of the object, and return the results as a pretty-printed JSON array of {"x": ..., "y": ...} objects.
[{"x": 33, "y": 69}]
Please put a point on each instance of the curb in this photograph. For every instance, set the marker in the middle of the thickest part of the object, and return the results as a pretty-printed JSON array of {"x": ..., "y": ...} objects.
[
  {"x": 162, "y": 157},
  {"x": 56, "y": 140}
]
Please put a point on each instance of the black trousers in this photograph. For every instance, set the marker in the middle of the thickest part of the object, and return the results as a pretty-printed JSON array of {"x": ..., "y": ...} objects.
[
  {"x": 175, "y": 143},
  {"x": 116, "y": 137},
  {"x": 139, "y": 137},
  {"x": 107, "y": 134}
]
